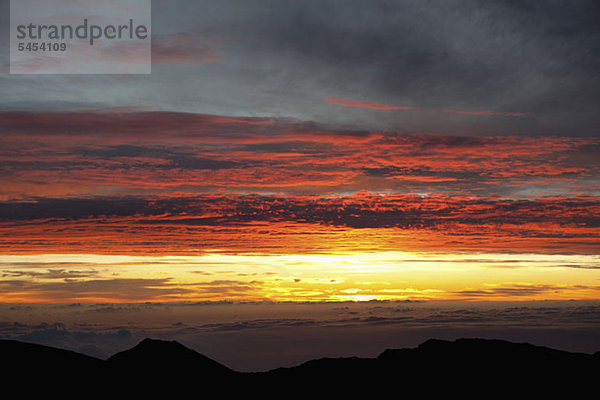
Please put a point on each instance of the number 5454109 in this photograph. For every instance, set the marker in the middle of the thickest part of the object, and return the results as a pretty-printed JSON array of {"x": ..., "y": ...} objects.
[{"x": 42, "y": 46}]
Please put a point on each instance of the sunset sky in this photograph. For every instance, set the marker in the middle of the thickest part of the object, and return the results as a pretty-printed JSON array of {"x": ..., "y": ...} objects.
[{"x": 312, "y": 151}]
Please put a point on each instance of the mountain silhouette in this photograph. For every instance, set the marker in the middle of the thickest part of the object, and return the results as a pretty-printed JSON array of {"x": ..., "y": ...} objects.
[
  {"x": 434, "y": 367},
  {"x": 165, "y": 357}
]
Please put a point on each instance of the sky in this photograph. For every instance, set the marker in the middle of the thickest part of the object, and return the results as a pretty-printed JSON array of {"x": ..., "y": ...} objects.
[{"x": 312, "y": 152}]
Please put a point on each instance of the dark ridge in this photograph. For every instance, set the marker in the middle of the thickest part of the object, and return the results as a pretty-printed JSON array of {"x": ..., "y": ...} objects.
[
  {"x": 435, "y": 366},
  {"x": 35, "y": 357},
  {"x": 37, "y": 370}
]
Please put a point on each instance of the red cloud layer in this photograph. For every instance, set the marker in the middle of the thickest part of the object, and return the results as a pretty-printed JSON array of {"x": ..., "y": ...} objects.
[
  {"x": 300, "y": 224},
  {"x": 126, "y": 152}
]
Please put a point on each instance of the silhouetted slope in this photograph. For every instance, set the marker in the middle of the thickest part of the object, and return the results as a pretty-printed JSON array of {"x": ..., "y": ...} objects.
[
  {"x": 466, "y": 366},
  {"x": 35, "y": 370},
  {"x": 436, "y": 366},
  {"x": 499, "y": 355},
  {"x": 494, "y": 363},
  {"x": 35, "y": 357},
  {"x": 324, "y": 369},
  {"x": 165, "y": 356}
]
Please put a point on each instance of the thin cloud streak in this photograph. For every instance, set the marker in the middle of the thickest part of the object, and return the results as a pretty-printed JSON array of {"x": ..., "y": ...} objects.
[
  {"x": 487, "y": 113},
  {"x": 366, "y": 104}
]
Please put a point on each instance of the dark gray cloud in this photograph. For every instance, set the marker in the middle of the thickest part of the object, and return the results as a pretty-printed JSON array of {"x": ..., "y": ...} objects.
[
  {"x": 536, "y": 59},
  {"x": 533, "y": 57},
  {"x": 529, "y": 57},
  {"x": 400, "y": 211}
]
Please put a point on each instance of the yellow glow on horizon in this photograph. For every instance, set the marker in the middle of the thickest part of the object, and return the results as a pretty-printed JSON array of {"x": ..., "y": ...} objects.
[{"x": 298, "y": 277}]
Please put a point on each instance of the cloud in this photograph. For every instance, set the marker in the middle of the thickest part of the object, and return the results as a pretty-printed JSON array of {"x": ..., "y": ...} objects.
[
  {"x": 123, "y": 289},
  {"x": 50, "y": 274},
  {"x": 133, "y": 153},
  {"x": 487, "y": 113},
  {"x": 579, "y": 266},
  {"x": 184, "y": 47},
  {"x": 228, "y": 288},
  {"x": 276, "y": 59},
  {"x": 366, "y": 104},
  {"x": 298, "y": 223},
  {"x": 260, "y": 324},
  {"x": 516, "y": 290},
  {"x": 360, "y": 210},
  {"x": 101, "y": 344},
  {"x": 85, "y": 288}
]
